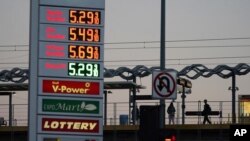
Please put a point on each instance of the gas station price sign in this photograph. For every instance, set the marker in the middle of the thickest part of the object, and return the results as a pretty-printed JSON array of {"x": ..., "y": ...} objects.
[
  {"x": 66, "y": 70},
  {"x": 83, "y": 69},
  {"x": 77, "y": 69},
  {"x": 66, "y": 33},
  {"x": 84, "y": 34},
  {"x": 70, "y": 51},
  {"x": 59, "y": 15},
  {"x": 84, "y": 17},
  {"x": 84, "y": 52}
]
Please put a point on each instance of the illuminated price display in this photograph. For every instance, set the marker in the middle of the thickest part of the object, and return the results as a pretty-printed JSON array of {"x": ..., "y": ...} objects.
[
  {"x": 59, "y": 15},
  {"x": 83, "y": 69},
  {"x": 84, "y": 52},
  {"x": 84, "y": 34},
  {"x": 78, "y": 69},
  {"x": 84, "y": 17},
  {"x": 65, "y": 33},
  {"x": 65, "y": 51}
]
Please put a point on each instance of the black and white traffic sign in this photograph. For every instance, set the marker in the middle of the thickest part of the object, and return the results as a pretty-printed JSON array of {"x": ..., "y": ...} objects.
[{"x": 164, "y": 85}]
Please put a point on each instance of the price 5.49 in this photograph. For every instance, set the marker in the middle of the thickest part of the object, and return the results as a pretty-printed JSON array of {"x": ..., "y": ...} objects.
[{"x": 84, "y": 34}]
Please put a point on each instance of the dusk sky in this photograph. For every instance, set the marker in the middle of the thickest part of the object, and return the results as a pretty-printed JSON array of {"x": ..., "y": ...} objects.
[{"x": 133, "y": 28}]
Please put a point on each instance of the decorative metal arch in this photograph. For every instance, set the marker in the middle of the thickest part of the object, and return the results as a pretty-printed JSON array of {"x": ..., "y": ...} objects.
[
  {"x": 15, "y": 75},
  {"x": 129, "y": 74},
  {"x": 194, "y": 71},
  {"x": 223, "y": 71}
]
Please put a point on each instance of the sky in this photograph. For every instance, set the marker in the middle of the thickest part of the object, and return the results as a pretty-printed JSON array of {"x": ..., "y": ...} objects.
[{"x": 132, "y": 35}]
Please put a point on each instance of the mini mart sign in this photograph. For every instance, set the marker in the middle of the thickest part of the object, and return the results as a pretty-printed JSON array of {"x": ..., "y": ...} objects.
[{"x": 70, "y": 106}]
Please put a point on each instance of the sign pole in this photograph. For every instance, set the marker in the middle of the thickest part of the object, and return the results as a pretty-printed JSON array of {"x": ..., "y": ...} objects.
[{"x": 162, "y": 61}]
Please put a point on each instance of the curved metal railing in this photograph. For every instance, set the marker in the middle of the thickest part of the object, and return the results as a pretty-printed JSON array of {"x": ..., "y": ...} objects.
[{"x": 194, "y": 71}]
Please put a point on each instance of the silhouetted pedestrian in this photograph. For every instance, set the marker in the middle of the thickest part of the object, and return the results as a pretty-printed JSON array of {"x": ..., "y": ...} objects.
[
  {"x": 171, "y": 113},
  {"x": 206, "y": 112}
]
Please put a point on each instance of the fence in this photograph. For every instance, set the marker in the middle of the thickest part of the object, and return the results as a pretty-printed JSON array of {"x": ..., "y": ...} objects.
[
  {"x": 19, "y": 114},
  {"x": 114, "y": 110},
  {"x": 117, "y": 111}
]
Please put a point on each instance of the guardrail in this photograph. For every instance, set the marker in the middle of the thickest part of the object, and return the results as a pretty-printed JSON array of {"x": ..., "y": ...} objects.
[{"x": 118, "y": 113}]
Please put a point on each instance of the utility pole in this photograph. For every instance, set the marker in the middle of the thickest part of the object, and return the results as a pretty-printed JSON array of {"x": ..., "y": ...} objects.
[{"x": 162, "y": 61}]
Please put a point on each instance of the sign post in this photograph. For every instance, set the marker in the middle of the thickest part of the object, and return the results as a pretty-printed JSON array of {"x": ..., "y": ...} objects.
[{"x": 66, "y": 70}]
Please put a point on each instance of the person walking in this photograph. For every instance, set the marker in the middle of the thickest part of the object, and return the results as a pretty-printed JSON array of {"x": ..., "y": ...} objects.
[
  {"x": 171, "y": 113},
  {"x": 206, "y": 111}
]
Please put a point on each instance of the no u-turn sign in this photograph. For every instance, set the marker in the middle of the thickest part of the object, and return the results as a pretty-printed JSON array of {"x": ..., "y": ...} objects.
[{"x": 164, "y": 84}]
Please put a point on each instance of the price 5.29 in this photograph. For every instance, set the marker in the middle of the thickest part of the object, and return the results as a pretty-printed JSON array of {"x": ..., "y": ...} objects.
[
  {"x": 84, "y": 17},
  {"x": 83, "y": 69}
]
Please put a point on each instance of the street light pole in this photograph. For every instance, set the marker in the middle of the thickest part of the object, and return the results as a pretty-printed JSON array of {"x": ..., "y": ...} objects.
[
  {"x": 233, "y": 99},
  {"x": 183, "y": 96},
  {"x": 106, "y": 92},
  {"x": 233, "y": 89},
  {"x": 10, "y": 109}
]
